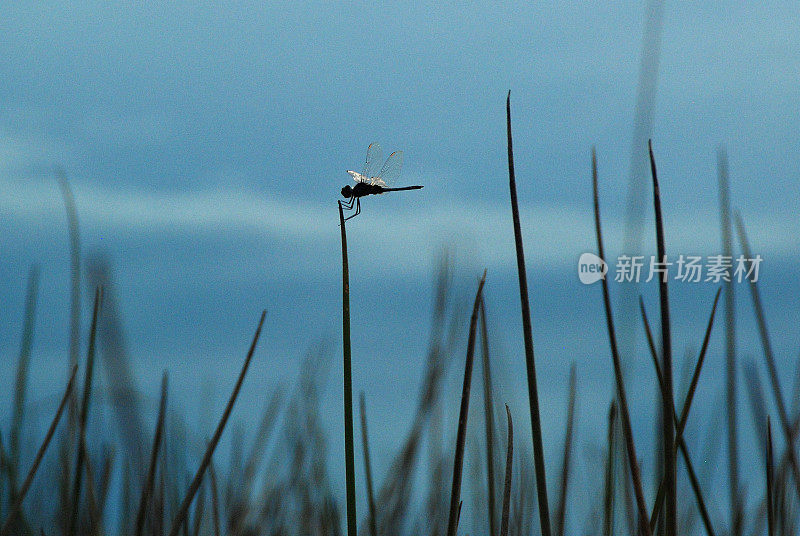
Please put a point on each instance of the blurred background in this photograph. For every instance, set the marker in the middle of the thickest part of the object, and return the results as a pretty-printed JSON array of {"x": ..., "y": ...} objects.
[{"x": 206, "y": 144}]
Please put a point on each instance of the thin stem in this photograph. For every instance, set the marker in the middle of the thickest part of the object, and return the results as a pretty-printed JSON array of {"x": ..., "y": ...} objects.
[
  {"x": 488, "y": 408},
  {"x": 214, "y": 497},
  {"x": 183, "y": 510},
  {"x": 507, "y": 482},
  {"x": 680, "y": 424},
  {"x": 39, "y": 455},
  {"x": 84, "y": 415},
  {"x": 770, "y": 483},
  {"x": 641, "y": 505},
  {"x": 530, "y": 362},
  {"x": 769, "y": 357},
  {"x": 730, "y": 349},
  {"x": 349, "y": 449},
  {"x": 668, "y": 407},
  {"x": 561, "y": 509},
  {"x": 151, "y": 472},
  {"x": 463, "y": 414},
  {"x": 373, "y": 528},
  {"x": 608, "y": 492},
  {"x": 18, "y": 411}
]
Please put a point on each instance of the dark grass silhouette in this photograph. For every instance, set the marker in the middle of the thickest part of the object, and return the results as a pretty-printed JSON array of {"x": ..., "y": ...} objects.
[{"x": 280, "y": 484}]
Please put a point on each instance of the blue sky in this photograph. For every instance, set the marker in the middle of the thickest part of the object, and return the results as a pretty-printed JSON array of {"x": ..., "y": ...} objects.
[{"x": 206, "y": 146}]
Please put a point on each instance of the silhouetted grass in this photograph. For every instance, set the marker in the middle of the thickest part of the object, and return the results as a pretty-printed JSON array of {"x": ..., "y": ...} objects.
[
  {"x": 769, "y": 359},
  {"x": 641, "y": 505},
  {"x": 349, "y": 449},
  {"x": 561, "y": 508},
  {"x": 770, "y": 491},
  {"x": 608, "y": 488},
  {"x": 8, "y": 525},
  {"x": 183, "y": 510},
  {"x": 84, "y": 414},
  {"x": 530, "y": 362},
  {"x": 147, "y": 489},
  {"x": 373, "y": 528},
  {"x": 488, "y": 412},
  {"x": 281, "y": 484},
  {"x": 730, "y": 348},
  {"x": 507, "y": 480},
  {"x": 680, "y": 423},
  {"x": 668, "y": 439},
  {"x": 20, "y": 384},
  {"x": 458, "y": 463}
]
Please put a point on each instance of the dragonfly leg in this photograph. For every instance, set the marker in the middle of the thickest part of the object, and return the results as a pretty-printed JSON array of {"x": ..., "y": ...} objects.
[
  {"x": 357, "y": 212},
  {"x": 348, "y": 205}
]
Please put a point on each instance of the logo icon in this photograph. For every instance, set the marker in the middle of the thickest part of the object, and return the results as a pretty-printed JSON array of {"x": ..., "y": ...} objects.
[{"x": 591, "y": 268}]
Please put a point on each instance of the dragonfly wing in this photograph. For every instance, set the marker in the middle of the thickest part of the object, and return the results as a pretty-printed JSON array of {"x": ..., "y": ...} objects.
[
  {"x": 358, "y": 177},
  {"x": 374, "y": 159},
  {"x": 391, "y": 169}
]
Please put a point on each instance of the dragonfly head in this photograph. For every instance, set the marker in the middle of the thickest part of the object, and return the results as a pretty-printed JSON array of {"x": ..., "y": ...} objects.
[{"x": 347, "y": 192}]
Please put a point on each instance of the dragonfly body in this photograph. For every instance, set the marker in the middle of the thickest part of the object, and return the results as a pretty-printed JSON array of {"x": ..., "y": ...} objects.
[{"x": 372, "y": 181}]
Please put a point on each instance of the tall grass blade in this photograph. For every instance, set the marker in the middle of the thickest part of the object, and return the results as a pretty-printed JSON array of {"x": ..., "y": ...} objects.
[
  {"x": 769, "y": 357},
  {"x": 67, "y": 444},
  {"x": 507, "y": 481},
  {"x": 262, "y": 437},
  {"x": 95, "y": 515},
  {"x": 757, "y": 401},
  {"x": 488, "y": 410},
  {"x": 730, "y": 348},
  {"x": 349, "y": 448},
  {"x": 147, "y": 490},
  {"x": 20, "y": 383},
  {"x": 687, "y": 404},
  {"x": 9, "y": 522},
  {"x": 84, "y": 415},
  {"x": 643, "y": 119},
  {"x": 463, "y": 414},
  {"x": 183, "y": 509},
  {"x": 696, "y": 374},
  {"x": 668, "y": 439},
  {"x": 530, "y": 363},
  {"x": 636, "y": 478},
  {"x": 373, "y": 528},
  {"x": 693, "y": 480},
  {"x": 561, "y": 509},
  {"x": 608, "y": 488},
  {"x": 199, "y": 509},
  {"x": 75, "y": 278},
  {"x": 118, "y": 369},
  {"x": 104, "y": 484},
  {"x": 680, "y": 423},
  {"x": 770, "y": 491},
  {"x": 214, "y": 498},
  {"x": 395, "y": 492}
]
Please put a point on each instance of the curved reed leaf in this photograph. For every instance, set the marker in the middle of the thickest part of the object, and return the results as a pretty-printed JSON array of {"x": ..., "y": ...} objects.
[
  {"x": 461, "y": 435},
  {"x": 183, "y": 510},
  {"x": 530, "y": 362},
  {"x": 641, "y": 505},
  {"x": 373, "y": 528},
  {"x": 9, "y": 522},
  {"x": 507, "y": 481}
]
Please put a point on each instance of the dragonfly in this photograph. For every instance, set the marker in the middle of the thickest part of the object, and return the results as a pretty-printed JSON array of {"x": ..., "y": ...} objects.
[{"x": 373, "y": 180}]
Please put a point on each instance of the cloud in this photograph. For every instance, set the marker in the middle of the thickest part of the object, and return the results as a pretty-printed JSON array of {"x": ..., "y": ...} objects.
[{"x": 409, "y": 238}]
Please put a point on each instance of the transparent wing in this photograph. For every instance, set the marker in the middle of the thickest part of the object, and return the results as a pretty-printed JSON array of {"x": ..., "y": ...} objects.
[
  {"x": 390, "y": 171},
  {"x": 374, "y": 159}
]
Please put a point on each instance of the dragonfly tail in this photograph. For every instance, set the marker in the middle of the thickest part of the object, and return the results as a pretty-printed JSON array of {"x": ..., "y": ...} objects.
[{"x": 402, "y": 188}]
